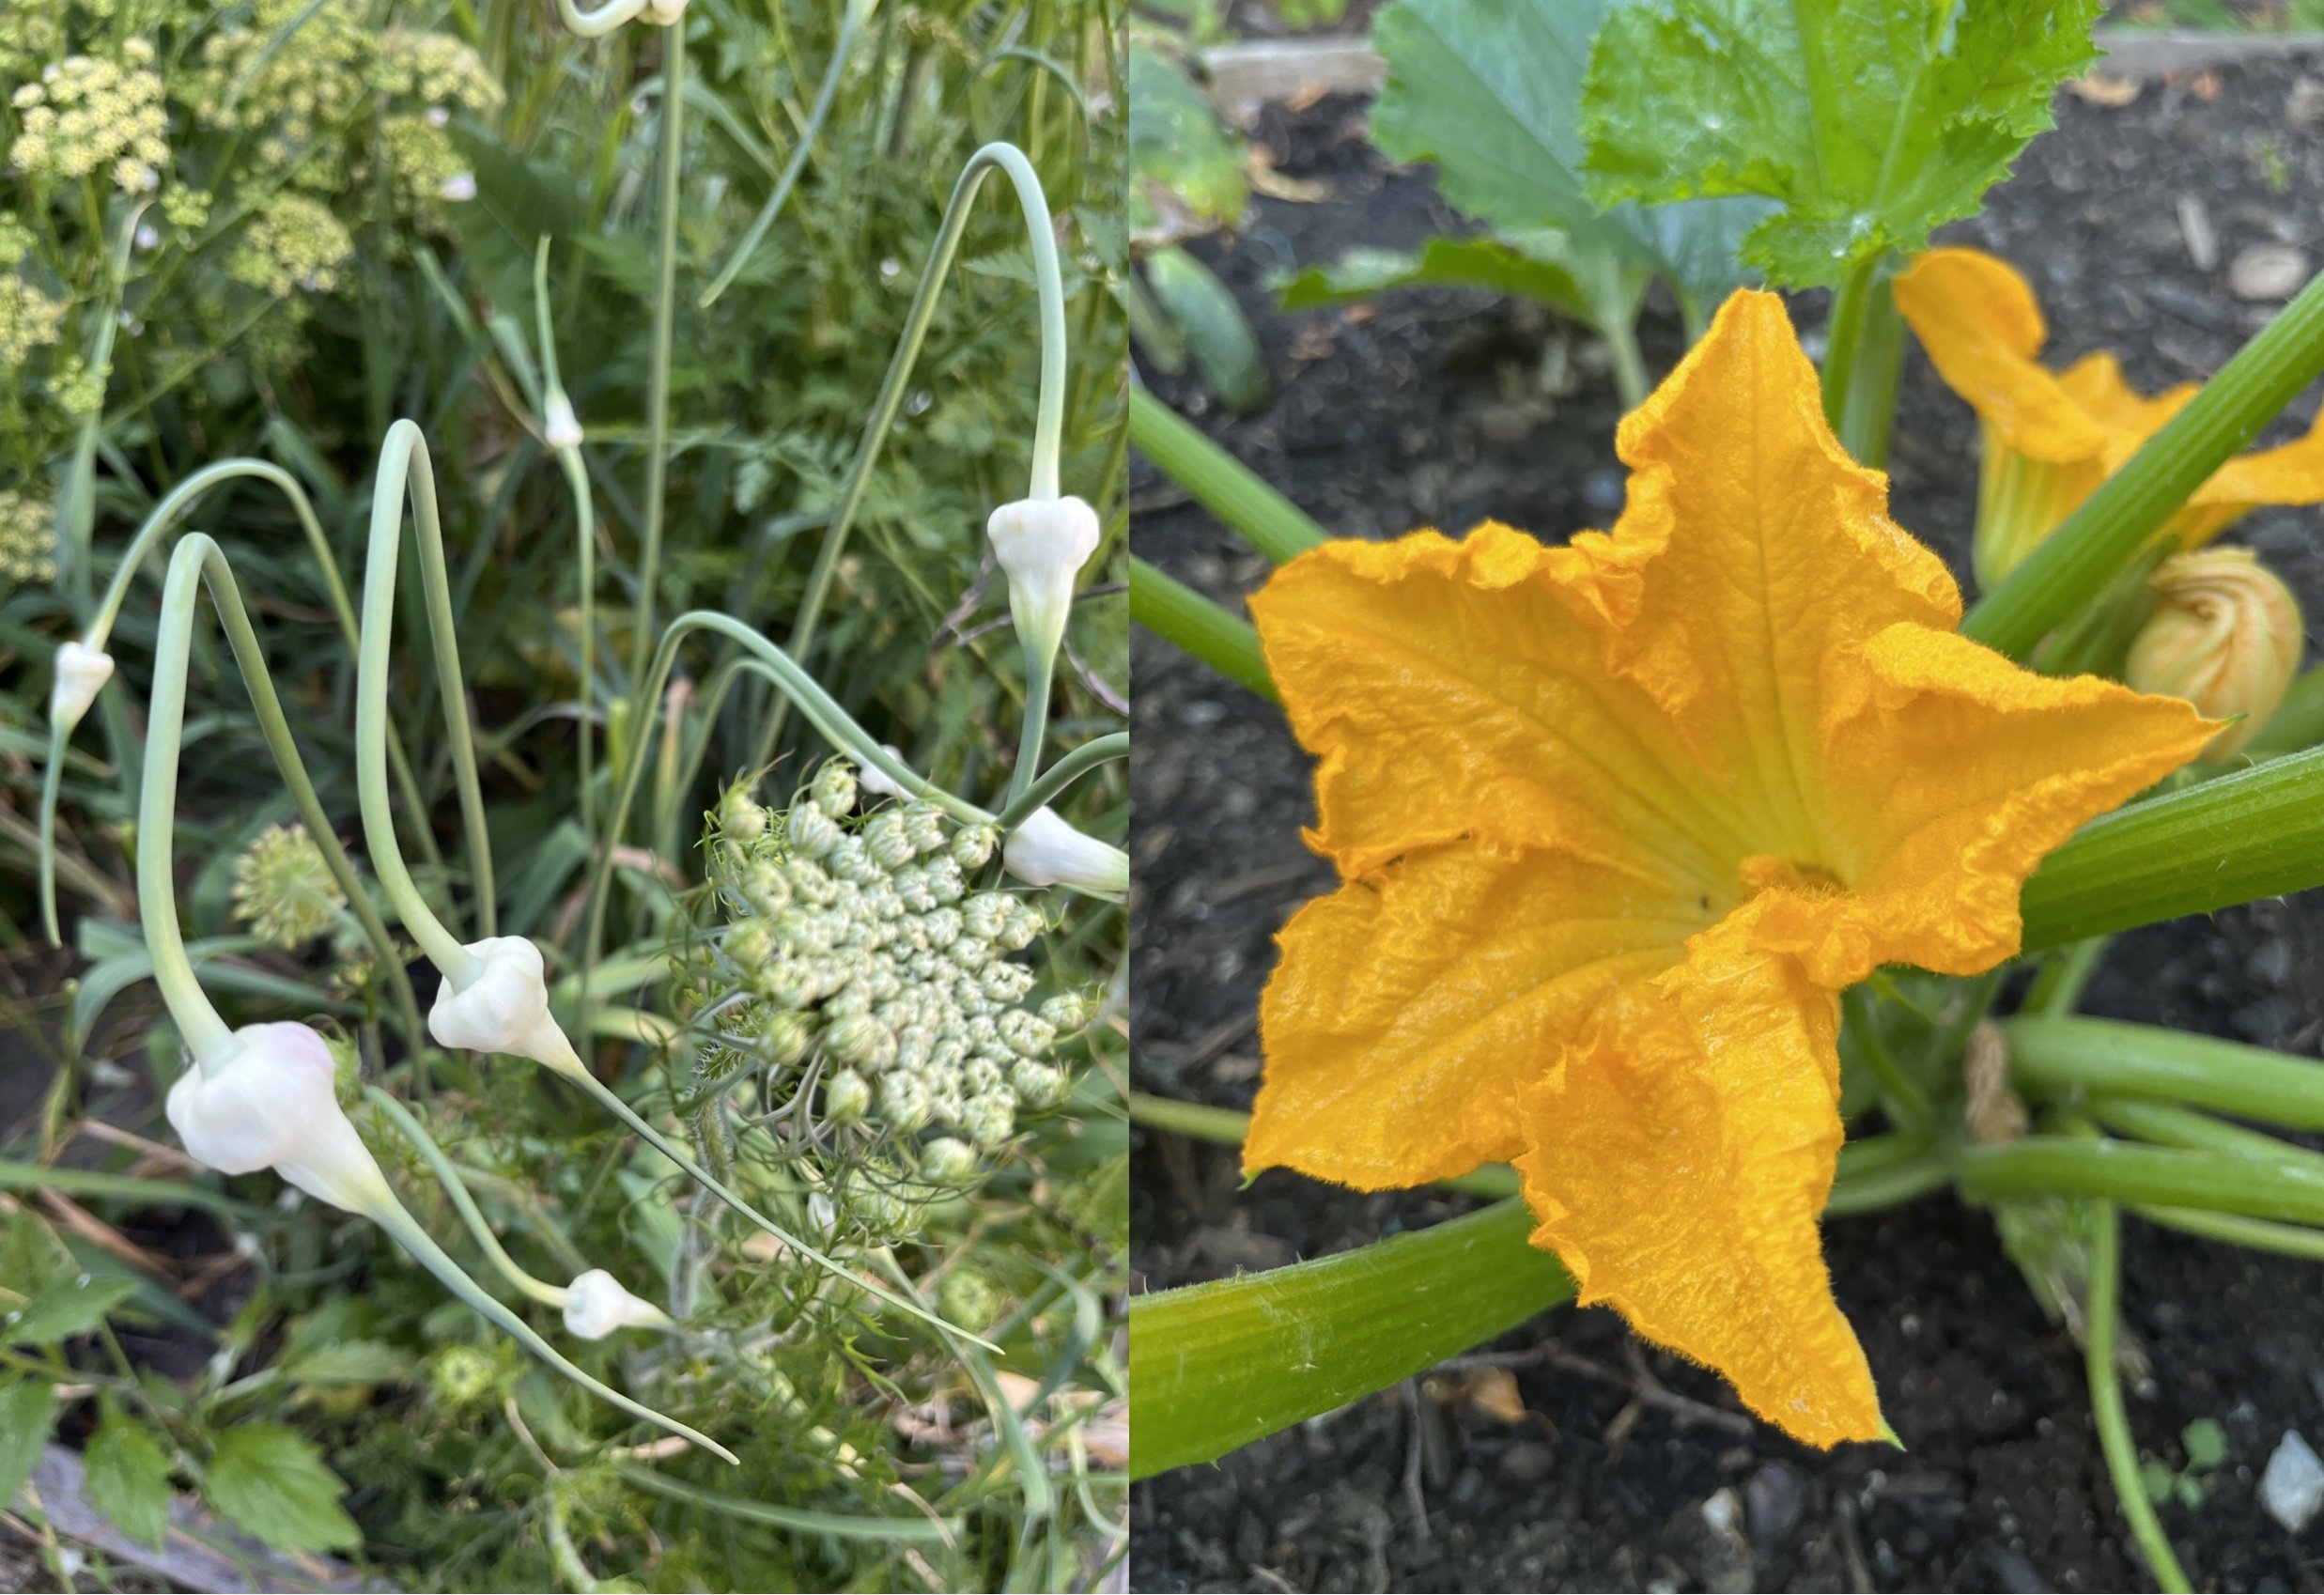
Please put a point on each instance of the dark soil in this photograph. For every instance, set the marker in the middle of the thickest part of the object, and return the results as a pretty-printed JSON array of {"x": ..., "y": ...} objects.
[{"x": 1429, "y": 408}]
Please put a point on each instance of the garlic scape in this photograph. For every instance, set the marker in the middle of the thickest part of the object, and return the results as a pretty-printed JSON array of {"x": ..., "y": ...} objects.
[{"x": 265, "y": 1096}]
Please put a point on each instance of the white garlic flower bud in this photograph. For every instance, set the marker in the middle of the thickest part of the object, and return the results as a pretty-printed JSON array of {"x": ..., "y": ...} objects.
[
  {"x": 269, "y": 1099},
  {"x": 504, "y": 1008},
  {"x": 559, "y": 427},
  {"x": 596, "y": 1305},
  {"x": 1042, "y": 544},
  {"x": 82, "y": 672},
  {"x": 1046, "y": 851}
]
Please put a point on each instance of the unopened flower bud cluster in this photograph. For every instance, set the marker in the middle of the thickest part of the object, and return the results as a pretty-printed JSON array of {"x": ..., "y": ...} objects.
[
  {"x": 82, "y": 114},
  {"x": 27, "y": 538},
  {"x": 867, "y": 946},
  {"x": 283, "y": 889}
]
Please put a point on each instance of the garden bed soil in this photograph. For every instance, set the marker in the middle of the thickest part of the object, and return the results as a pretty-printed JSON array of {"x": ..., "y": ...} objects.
[{"x": 1443, "y": 409}]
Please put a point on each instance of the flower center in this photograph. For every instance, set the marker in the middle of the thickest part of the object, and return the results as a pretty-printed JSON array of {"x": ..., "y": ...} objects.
[{"x": 1762, "y": 872}]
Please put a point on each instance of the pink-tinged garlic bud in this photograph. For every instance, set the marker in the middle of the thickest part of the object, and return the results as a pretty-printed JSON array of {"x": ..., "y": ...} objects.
[
  {"x": 2225, "y": 636},
  {"x": 268, "y": 1099}
]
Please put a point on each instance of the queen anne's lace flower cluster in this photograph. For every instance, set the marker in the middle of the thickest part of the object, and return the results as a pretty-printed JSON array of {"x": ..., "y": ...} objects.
[{"x": 859, "y": 953}]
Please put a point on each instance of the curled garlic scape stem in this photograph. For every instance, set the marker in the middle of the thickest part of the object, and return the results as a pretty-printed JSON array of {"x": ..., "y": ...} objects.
[
  {"x": 197, "y": 559},
  {"x": 262, "y": 1096},
  {"x": 88, "y": 676},
  {"x": 494, "y": 997},
  {"x": 594, "y": 1305},
  {"x": 404, "y": 470}
]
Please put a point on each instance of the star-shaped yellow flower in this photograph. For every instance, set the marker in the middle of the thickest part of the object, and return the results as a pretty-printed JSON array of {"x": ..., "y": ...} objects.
[
  {"x": 2050, "y": 440},
  {"x": 1618, "y": 820}
]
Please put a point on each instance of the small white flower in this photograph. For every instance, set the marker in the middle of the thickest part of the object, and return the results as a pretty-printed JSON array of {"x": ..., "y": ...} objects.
[
  {"x": 504, "y": 1008},
  {"x": 1046, "y": 851},
  {"x": 268, "y": 1101},
  {"x": 82, "y": 672},
  {"x": 596, "y": 1305},
  {"x": 436, "y": 116},
  {"x": 148, "y": 238},
  {"x": 1042, "y": 544},
  {"x": 459, "y": 187},
  {"x": 559, "y": 427}
]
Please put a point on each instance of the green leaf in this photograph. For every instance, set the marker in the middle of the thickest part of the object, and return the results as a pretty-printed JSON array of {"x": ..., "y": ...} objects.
[
  {"x": 1869, "y": 121},
  {"x": 1539, "y": 268},
  {"x": 1226, "y": 353},
  {"x": 348, "y": 1362},
  {"x": 1491, "y": 91},
  {"x": 2156, "y": 1479},
  {"x": 69, "y": 1308},
  {"x": 273, "y": 1484},
  {"x": 28, "y": 1408},
  {"x": 1222, "y": 1364},
  {"x": 2206, "y": 1443},
  {"x": 129, "y": 1476},
  {"x": 1181, "y": 155}
]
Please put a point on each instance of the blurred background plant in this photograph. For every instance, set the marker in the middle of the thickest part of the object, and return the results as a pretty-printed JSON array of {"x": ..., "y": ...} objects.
[{"x": 269, "y": 229}]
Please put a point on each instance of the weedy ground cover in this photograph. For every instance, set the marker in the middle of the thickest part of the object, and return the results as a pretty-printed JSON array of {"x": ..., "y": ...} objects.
[{"x": 585, "y": 427}]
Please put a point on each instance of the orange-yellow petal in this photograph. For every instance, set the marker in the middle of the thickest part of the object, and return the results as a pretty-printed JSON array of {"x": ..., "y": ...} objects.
[
  {"x": 1679, "y": 1159},
  {"x": 1959, "y": 771},
  {"x": 1979, "y": 323},
  {"x": 2096, "y": 382},
  {"x": 1767, "y": 556},
  {"x": 1409, "y": 1005},
  {"x": 2292, "y": 475},
  {"x": 1456, "y": 690}
]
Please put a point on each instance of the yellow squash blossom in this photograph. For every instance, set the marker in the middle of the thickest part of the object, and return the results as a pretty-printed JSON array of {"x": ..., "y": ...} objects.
[
  {"x": 1617, "y": 821},
  {"x": 2050, "y": 439}
]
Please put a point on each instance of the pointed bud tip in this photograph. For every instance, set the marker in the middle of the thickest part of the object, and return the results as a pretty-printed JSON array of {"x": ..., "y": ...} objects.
[
  {"x": 1046, "y": 851},
  {"x": 503, "y": 1007}
]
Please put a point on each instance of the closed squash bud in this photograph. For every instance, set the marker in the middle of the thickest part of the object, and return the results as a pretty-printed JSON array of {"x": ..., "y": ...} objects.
[{"x": 2225, "y": 636}]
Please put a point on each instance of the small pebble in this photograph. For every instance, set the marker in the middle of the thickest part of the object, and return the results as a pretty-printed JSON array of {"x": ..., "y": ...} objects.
[
  {"x": 1773, "y": 1501},
  {"x": 2267, "y": 272},
  {"x": 2304, "y": 106},
  {"x": 2194, "y": 225},
  {"x": 2292, "y": 1489}
]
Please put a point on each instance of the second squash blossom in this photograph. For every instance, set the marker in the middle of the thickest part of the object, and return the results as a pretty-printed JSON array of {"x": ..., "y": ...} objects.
[
  {"x": 1617, "y": 822},
  {"x": 2052, "y": 437}
]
